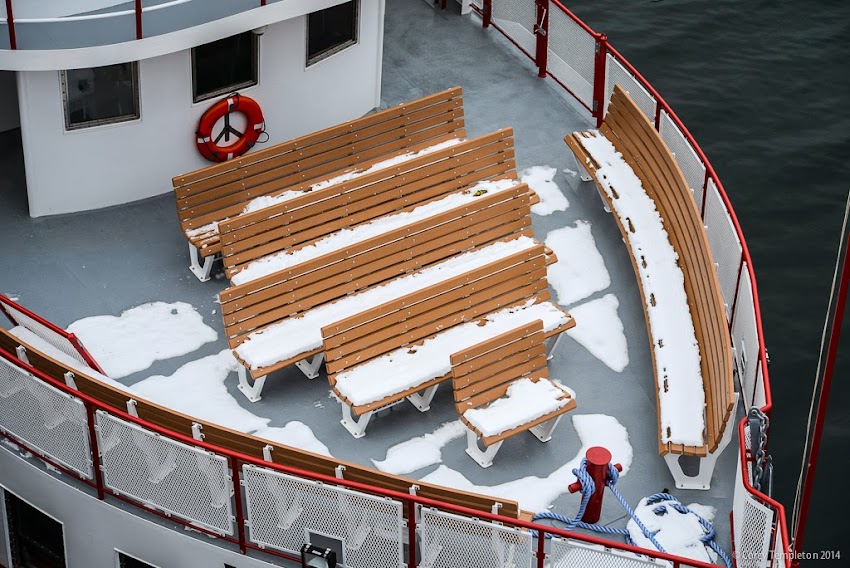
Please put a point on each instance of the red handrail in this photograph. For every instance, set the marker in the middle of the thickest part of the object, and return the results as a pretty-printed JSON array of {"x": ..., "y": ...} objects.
[
  {"x": 71, "y": 337},
  {"x": 10, "y": 22},
  {"x": 237, "y": 457},
  {"x": 139, "y": 34}
]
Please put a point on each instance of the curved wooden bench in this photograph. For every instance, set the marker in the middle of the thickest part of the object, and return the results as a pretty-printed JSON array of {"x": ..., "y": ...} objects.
[
  {"x": 643, "y": 149},
  {"x": 245, "y": 443},
  {"x": 210, "y": 195}
]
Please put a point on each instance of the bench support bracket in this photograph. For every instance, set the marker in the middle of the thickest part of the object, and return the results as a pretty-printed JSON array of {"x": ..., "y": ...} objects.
[
  {"x": 201, "y": 271},
  {"x": 701, "y": 480},
  {"x": 584, "y": 175},
  {"x": 543, "y": 431},
  {"x": 422, "y": 399},
  {"x": 484, "y": 458},
  {"x": 357, "y": 427},
  {"x": 552, "y": 345},
  {"x": 310, "y": 368},
  {"x": 251, "y": 391}
]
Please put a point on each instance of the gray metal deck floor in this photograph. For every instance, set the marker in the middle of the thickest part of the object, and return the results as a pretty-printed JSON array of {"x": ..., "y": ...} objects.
[{"x": 104, "y": 262}]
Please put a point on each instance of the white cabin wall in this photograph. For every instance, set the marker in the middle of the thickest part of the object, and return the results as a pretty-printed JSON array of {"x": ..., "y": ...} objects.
[
  {"x": 8, "y": 101},
  {"x": 115, "y": 164}
]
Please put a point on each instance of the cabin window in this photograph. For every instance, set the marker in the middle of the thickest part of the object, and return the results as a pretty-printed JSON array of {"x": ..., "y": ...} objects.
[
  {"x": 100, "y": 95},
  {"x": 331, "y": 30},
  {"x": 224, "y": 66},
  {"x": 127, "y": 561},
  {"x": 35, "y": 540}
]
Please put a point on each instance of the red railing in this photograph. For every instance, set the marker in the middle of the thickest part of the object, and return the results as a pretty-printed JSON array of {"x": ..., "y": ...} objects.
[
  {"x": 138, "y": 10},
  {"x": 71, "y": 338},
  {"x": 236, "y": 459},
  {"x": 603, "y": 50}
]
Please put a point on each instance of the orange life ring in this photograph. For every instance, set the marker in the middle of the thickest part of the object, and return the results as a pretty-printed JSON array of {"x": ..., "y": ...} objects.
[{"x": 209, "y": 148}]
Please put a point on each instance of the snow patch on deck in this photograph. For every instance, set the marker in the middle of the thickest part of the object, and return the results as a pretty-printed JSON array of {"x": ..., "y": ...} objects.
[
  {"x": 297, "y": 435},
  {"x": 677, "y": 359},
  {"x": 601, "y": 331},
  {"x": 197, "y": 389},
  {"x": 580, "y": 270},
  {"x": 151, "y": 332},
  {"x": 541, "y": 180},
  {"x": 537, "y": 493},
  {"x": 678, "y": 533},
  {"x": 420, "y": 452}
]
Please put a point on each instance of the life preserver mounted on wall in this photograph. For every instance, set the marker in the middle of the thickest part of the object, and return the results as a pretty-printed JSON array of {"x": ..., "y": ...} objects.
[{"x": 209, "y": 148}]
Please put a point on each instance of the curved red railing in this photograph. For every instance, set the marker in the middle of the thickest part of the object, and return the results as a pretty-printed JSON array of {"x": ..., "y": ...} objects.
[{"x": 237, "y": 458}]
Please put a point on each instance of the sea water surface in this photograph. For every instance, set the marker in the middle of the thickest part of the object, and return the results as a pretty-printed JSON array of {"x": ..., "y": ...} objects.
[{"x": 764, "y": 86}]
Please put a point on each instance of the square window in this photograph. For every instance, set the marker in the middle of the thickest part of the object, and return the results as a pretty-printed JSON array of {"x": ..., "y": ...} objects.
[
  {"x": 224, "y": 66},
  {"x": 34, "y": 538},
  {"x": 100, "y": 95},
  {"x": 331, "y": 30}
]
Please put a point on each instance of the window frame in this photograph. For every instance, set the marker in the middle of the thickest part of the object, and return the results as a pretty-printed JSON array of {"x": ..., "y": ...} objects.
[
  {"x": 255, "y": 61},
  {"x": 119, "y": 553},
  {"x": 331, "y": 51},
  {"x": 5, "y": 494},
  {"x": 63, "y": 79}
]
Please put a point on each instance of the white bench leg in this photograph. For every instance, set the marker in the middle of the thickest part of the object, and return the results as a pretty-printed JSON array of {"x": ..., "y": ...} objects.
[
  {"x": 422, "y": 400},
  {"x": 543, "y": 431},
  {"x": 484, "y": 458},
  {"x": 310, "y": 368},
  {"x": 201, "y": 271},
  {"x": 702, "y": 480},
  {"x": 552, "y": 345},
  {"x": 251, "y": 391},
  {"x": 582, "y": 171},
  {"x": 357, "y": 427}
]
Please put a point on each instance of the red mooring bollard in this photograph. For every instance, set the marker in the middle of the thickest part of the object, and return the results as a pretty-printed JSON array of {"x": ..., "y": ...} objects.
[{"x": 598, "y": 459}]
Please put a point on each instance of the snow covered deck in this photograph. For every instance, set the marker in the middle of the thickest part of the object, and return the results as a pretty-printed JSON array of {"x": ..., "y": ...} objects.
[{"x": 107, "y": 262}]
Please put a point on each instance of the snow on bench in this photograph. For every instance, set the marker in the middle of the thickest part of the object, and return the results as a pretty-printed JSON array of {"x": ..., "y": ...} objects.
[
  {"x": 671, "y": 326},
  {"x": 383, "y": 378},
  {"x": 347, "y": 237},
  {"x": 302, "y": 334}
]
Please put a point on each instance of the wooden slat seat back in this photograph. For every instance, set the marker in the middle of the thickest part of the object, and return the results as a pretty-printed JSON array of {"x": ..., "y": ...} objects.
[
  {"x": 253, "y": 306},
  {"x": 400, "y": 188},
  {"x": 643, "y": 149},
  {"x": 245, "y": 443},
  {"x": 483, "y": 373},
  {"x": 219, "y": 191},
  {"x": 416, "y": 317}
]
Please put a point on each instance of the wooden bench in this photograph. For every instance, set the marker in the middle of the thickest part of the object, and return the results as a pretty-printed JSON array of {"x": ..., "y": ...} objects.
[
  {"x": 401, "y": 188},
  {"x": 212, "y": 194},
  {"x": 512, "y": 364},
  {"x": 367, "y": 354},
  {"x": 644, "y": 152},
  {"x": 258, "y": 305}
]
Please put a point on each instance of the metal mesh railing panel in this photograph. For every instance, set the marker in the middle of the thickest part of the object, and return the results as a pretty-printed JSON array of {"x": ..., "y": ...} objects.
[
  {"x": 572, "y": 54},
  {"x": 181, "y": 480},
  {"x": 616, "y": 74},
  {"x": 56, "y": 340},
  {"x": 283, "y": 509},
  {"x": 452, "y": 541},
  {"x": 745, "y": 336},
  {"x": 687, "y": 158},
  {"x": 51, "y": 422},
  {"x": 566, "y": 553},
  {"x": 725, "y": 245},
  {"x": 517, "y": 19},
  {"x": 752, "y": 545}
]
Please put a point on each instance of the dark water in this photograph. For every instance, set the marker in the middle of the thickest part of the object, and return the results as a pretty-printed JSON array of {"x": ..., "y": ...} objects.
[{"x": 764, "y": 86}]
